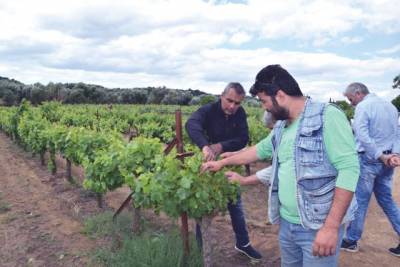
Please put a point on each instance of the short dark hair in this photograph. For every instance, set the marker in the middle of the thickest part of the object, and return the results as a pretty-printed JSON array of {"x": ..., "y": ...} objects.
[
  {"x": 235, "y": 86},
  {"x": 273, "y": 78}
]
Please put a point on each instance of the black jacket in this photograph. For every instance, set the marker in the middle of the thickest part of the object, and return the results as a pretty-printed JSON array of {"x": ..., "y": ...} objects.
[{"x": 210, "y": 125}]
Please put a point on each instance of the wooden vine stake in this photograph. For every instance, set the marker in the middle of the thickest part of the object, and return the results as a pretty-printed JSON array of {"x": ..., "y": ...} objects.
[
  {"x": 69, "y": 171},
  {"x": 42, "y": 161},
  {"x": 99, "y": 196},
  {"x": 53, "y": 162},
  {"x": 179, "y": 148},
  {"x": 178, "y": 142}
]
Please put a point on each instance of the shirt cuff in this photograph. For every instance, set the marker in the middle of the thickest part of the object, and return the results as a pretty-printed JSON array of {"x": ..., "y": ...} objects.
[{"x": 265, "y": 175}]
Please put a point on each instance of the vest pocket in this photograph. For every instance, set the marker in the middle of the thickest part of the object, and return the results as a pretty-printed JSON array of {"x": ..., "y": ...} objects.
[
  {"x": 317, "y": 202},
  {"x": 310, "y": 150},
  {"x": 317, "y": 212}
]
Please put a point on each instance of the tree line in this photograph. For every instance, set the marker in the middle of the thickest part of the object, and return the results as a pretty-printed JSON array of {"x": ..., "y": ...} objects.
[{"x": 12, "y": 92}]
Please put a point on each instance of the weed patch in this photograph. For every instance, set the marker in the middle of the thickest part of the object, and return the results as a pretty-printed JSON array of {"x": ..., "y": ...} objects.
[{"x": 152, "y": 248}]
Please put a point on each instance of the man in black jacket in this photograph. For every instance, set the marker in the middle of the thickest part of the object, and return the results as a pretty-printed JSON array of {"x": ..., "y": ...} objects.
[{"x": 222, "y": 127}]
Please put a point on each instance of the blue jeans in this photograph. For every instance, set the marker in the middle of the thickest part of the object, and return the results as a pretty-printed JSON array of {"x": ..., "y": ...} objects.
[
  {"x": 374, "y": 177},
  {"x": 238, "y": 224},
  {"x": 296, "y": 243}
]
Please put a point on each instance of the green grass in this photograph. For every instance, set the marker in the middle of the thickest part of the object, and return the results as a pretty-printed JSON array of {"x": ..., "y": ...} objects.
[
  {"x": 152, "y": 248},
  {"x": 102, "y": 225},
  {"x": 148, "y": 249}
]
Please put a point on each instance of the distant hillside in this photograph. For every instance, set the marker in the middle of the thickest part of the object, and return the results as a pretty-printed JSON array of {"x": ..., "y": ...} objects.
[
  {"x": 12, "y": 92},
  {"x": 12, "y": 81}
]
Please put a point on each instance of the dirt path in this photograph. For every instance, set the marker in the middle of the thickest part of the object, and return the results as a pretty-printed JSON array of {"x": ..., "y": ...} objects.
[
  {"x": 41, "y": 221},
  {"x": 39, "y": 229},
  {"x": 378, "y": 236}
]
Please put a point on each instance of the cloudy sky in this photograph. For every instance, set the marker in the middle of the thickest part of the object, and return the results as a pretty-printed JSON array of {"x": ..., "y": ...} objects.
[{"x": 202, "y": 44}]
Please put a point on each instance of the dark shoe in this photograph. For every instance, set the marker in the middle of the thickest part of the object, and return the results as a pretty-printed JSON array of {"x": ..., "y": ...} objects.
[
  {"x": 249, "y": 251},
  {"x": 350, "y": 246},
  {"x": 395, "y": 251}
]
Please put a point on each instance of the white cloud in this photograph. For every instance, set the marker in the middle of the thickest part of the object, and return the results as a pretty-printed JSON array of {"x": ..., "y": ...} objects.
[
  {"x": 182, "y": 43},
  {"x": 239, "y": 38},
  {"x": 390, "y": 50},
  {"x": 351, "y": 40},
  {"x": 381, "y": 15}
]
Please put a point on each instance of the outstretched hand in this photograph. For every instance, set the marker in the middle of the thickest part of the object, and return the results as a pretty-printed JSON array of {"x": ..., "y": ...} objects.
[
  {"x": 208, "y": 153},
  {"x": 228, "y": 154},
  {"x": 233, "y": 176},
  {"x": 211, "y": 166}
]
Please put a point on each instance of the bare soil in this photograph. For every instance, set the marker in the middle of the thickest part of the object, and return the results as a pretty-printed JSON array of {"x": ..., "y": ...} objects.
[{"x": 41, "y": 219}]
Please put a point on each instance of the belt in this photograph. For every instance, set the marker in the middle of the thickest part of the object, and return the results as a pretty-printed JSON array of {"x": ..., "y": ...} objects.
[{"x": 383, "y": 152}]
